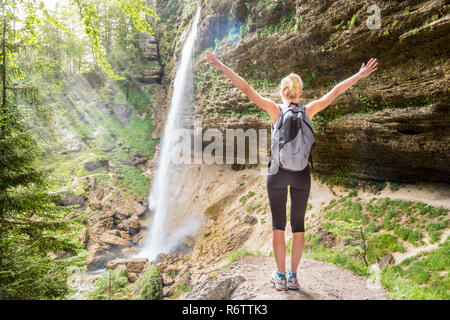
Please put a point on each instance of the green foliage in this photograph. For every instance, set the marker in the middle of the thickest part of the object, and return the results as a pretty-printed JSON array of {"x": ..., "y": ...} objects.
[
  {"x": 352, "y": 21},
  {"x": 36, "y": 243},
  {"x": 439, "y": 61},
  {"x": 338, "y": 256},
  {"x": 407, "y": 10},
  {"x": 109, "y": 286},
  {"x": 237, "y": 254},
  {"x": 89, "y": 16},
  {"x": 178, "y": 289},
  {"x": 380, "y": 244},
  {"x": 244, "y": 198},
  {"x": 251, "y": 208},
  {"x": 150, "y": 284},
  {"x": 408, "y": 234}
]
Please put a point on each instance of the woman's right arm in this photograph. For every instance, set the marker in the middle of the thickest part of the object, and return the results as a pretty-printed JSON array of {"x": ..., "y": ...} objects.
[
  {"x": 318, "y": 105},
  {"x": 266, "y": 104}
]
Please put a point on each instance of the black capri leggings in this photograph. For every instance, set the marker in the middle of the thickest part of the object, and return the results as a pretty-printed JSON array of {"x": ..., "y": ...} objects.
[{"x": 300, "y": 185}]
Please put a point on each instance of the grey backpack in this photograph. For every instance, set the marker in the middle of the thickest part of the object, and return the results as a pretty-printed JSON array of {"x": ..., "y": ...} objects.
[{"x": 292, "y": 139}]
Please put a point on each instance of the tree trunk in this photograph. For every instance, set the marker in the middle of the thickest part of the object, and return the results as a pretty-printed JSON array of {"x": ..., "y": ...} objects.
[{"x": 4, "y": 60}]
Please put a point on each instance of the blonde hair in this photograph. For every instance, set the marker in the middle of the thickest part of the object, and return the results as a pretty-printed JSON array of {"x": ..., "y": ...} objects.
[{"x": 291, "y": 86}]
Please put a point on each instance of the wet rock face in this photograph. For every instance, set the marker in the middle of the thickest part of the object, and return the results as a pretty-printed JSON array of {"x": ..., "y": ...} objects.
[
  {"x": 396, "y": 123},
  {"x": 402, "y": 144}
]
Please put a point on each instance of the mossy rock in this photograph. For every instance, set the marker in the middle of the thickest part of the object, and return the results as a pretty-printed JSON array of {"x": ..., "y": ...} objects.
[{"x": 213, "y": 211}]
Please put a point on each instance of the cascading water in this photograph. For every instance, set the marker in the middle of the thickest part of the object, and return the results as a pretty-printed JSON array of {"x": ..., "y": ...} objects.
[{"x": 161, "y": 238}]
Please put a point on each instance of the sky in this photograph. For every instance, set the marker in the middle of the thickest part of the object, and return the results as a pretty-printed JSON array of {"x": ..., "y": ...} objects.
[{"x": 50, "y": 4}]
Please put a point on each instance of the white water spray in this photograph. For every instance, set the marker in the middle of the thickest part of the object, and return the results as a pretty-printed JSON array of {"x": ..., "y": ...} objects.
[{"x": 159, "y": 239}]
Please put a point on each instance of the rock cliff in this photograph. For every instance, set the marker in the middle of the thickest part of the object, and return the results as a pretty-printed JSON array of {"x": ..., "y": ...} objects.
[{"x": 393, "y": 125}]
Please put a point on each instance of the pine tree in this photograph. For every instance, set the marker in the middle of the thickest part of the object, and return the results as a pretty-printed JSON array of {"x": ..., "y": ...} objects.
[{"x": 35, "y": 245}]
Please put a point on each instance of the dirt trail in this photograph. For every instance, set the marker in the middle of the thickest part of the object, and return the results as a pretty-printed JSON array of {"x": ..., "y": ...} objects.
[{"x": 248, "y": 279}]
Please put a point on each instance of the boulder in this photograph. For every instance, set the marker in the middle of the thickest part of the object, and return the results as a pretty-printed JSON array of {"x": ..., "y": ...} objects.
[
  {"x": 99, "y": 194},
  {"x": 134, "y": 222},
  {"x": 220, "y": 289},
  {"x": 135, "y": 265},
  {"x": 125, "y": 235},
  {"x": 132, "y": 277},
  {"x": 122, "y": 113},
  {"x": 129, "y": 251},
  {"x": 92, "y": 183},
  {"x": 71, "y": 199},
  {"x": 96, "y": 205},
  {"x": 84, "y": 236},
  {"x": 92, "y": 165},
  {"x": 138, "y": 208},
  {"x": 387, "y": 259},
  {"x": 97, "y": 260},
  {"x": 250, "y": 220},
  {"x": 134, "y": 160},
  {"x": 107, "y": 148},
  {"x": 114, "y": 240}
]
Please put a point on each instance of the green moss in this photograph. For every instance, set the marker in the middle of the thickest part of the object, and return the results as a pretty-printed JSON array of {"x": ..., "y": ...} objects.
[
  {"x": 213, "y": 212},
  {"x": 178, "y": 289},
  {"x": 150, "y": 284}
]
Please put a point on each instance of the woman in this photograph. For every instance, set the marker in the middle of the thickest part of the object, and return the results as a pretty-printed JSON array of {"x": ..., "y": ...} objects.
[{"x": 300, "y": 181}]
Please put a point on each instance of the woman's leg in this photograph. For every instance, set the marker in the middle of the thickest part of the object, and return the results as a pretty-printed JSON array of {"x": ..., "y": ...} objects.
[
  {"x": 299, "y": 191},
  {"x": 277, "y": 191},
  {"x": 279, "y": 250},
  {"x": 298, "y": 243}
]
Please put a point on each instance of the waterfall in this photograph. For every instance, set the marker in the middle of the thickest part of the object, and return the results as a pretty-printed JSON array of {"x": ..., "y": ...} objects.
[{"x": 162, "y": 238}]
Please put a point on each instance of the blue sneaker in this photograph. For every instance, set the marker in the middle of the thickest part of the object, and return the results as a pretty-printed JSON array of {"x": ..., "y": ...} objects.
[
  {"x": 292, "y": 282},
  {"x": 279, "y": 282}
]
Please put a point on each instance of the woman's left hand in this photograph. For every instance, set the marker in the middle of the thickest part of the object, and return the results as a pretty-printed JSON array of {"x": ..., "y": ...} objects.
[
  {"x": 214, "y": 62},
  {"x": 367, "y": 70}
]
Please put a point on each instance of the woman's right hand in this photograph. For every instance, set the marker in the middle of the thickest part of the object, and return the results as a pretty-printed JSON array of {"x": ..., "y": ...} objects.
[{"x": 214, "y": 62}]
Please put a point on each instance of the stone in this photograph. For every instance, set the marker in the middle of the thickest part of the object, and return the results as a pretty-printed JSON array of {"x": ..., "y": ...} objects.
[
  {"x": 123, "y": 268},
  {"x": 114, "y": 240},
  {"x": 134, "y": 160},
  {"x": 132, "y": 277},
  {"x": 84, "y": 236},
  {"x": 97, "y": 260},
  {"x": 121, "y": 212},
  {"x": 121, "y": 113},
  {"x": 387, "y": 259},
  {"x": 132, "y": 264},
  {"x": 125, "y": 235},
  {"x": 250, "y": 220},
  {"x": 92, "y": 183},
  {"x": 138, "y": 208},
  {"x": 71, "y": 199},
  {"x": 123, "y": 225},
  {"x": 144, "y": 202},
  {"x": 99, "y": 194},
  {"x": 220, "y": 289},
  {"x": 96, "y": 205},
  {"x": 92, "y": 165},
  {"x": 134, "y": 222},
  {"x": 107, "y": 148},
  {"x": 129, "y": 251}
]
